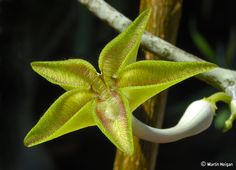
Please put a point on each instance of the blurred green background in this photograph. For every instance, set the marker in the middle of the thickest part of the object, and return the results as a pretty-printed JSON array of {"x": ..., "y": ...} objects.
[{"x": 32, "y": 30}]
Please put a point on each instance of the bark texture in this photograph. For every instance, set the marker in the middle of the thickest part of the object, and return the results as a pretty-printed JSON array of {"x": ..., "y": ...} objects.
[{"x": 164, "y": 22}]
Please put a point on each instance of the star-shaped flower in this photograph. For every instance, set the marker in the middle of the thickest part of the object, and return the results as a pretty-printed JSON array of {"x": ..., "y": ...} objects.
[{"x": 107, "y": 99}]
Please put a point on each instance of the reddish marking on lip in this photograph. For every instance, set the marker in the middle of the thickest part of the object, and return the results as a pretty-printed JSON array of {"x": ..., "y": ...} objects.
[{"x": 110, "y": 110}]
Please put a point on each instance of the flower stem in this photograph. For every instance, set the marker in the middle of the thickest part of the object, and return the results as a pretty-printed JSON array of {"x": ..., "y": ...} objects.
[{"x": 219, "y": 96}]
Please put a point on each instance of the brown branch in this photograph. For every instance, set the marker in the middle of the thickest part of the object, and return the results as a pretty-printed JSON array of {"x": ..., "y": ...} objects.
[{"x": 163, "y": 22}]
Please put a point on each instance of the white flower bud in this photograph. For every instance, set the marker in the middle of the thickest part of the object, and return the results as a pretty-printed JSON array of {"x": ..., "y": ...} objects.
[{"x": 197, "y": 118}]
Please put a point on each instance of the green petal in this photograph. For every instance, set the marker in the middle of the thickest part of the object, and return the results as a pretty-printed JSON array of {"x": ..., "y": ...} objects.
[
  {"x": 113, "y": 117},
  {"x": 122, "y": 50},
  {"x": 144, "y": 79},
  {"x": 71, "y": 111},
  {"x": 69, "y": 74}
]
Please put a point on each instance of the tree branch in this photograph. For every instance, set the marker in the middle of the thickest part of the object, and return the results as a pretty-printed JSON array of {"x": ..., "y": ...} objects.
[{"x": 220, "y": 78}]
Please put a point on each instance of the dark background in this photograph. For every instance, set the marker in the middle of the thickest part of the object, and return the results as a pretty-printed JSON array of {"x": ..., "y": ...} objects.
[{"x": 32, "y": 30}]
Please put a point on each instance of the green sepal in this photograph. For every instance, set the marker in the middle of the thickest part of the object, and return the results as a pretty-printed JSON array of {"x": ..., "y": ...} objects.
[
  {"x": 71, "y": 111},
  {"x": 113, "y": 117},
  {"x": 123, "y": 49},
  {"x": 142, "y": 80},
  {"x": 69, "y": 74}
]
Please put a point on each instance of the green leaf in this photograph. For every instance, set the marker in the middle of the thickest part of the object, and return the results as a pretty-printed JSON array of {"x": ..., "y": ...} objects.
[
  {"x": 123, "y": 49},
  {"x": 144, "y": 79},
  {"x": 69, "y": 74},
  {"x": 230, "y": 53},
  {"x": 113, "y": 117},
  {"x": 70, "y": 112},
  {"x": 201, "y": 43}
]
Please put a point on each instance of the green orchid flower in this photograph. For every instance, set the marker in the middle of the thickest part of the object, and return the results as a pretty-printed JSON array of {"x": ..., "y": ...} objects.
[{"x": 107, "y": 99}]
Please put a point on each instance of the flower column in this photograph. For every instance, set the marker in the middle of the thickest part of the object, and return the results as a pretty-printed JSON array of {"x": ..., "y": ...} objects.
[{"x": 164, "y": 22}]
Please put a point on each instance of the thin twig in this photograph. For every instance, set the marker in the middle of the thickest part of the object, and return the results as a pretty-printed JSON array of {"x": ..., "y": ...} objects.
[{"x": 220, "y": 78}]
